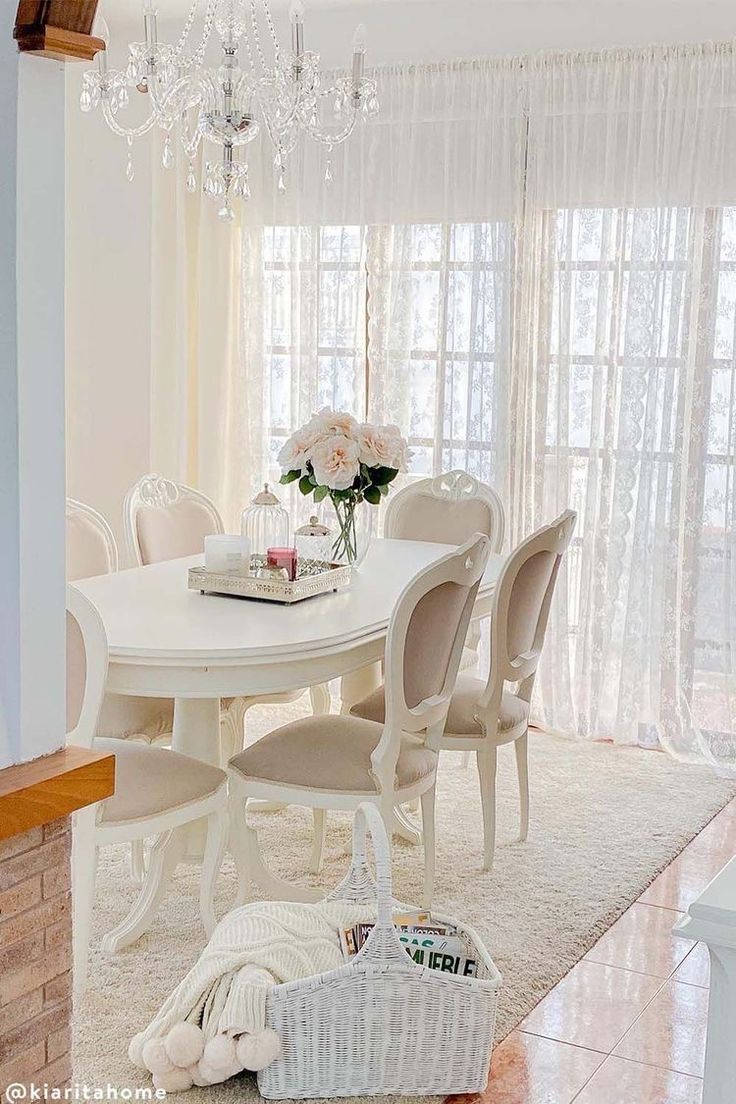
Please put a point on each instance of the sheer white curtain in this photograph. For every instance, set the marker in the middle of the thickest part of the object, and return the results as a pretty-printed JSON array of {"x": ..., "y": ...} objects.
[
  {"x": 624, "y": 389},
  {"x": 530, "y": 266}
]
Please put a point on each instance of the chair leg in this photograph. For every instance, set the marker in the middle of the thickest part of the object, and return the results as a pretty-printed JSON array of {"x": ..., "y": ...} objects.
[
  {"x": 318, "y": 843},
  {"x": 84, "y": 870},
  {"x": 250, "y": 865},
  {"x": 163, "y": 860},
  {"x": 487, "y": 758},
  {"x": 138, "y": 862},
  {"x": 321, "y": 700},
  {"x": 521, "y": 747},
  {"x": 237, "y": 806},
  {"x": 211, "y": 863},
  {"x": 428, "y": 800}
]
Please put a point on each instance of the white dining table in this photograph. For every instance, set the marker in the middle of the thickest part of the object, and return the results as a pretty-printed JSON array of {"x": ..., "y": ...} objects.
[{"x": 168, "y": 641}]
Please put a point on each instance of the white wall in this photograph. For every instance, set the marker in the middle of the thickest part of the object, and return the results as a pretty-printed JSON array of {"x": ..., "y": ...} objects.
[
  {"x": 32, "y": 626},
  {"x": 108, "y": 294},
  {"x": 108, "y": 223}
]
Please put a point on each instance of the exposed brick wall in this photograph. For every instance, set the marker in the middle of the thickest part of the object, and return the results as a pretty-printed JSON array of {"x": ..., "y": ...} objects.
[{"x": 36, "y": 957}]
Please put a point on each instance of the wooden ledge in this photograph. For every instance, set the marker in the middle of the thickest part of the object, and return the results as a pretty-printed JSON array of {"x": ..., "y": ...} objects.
[
  {"x": 51, "y": 787},
  {"x": 58, "y": 29}
]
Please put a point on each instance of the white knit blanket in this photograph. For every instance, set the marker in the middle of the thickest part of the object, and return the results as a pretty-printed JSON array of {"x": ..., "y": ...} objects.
[{"x": 224, "y": 994}]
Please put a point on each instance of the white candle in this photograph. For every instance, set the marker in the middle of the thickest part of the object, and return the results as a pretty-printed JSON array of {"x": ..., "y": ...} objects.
[
  {"x": 359, "y": 41},
  {"x": 296, "y": 14},
  {"x": 226, "y": 554}
]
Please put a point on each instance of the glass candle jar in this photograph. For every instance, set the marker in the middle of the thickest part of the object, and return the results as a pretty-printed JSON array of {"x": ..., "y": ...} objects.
[
  {"x": 284, "y": 558},
  {"x": 265, "y": 523}
]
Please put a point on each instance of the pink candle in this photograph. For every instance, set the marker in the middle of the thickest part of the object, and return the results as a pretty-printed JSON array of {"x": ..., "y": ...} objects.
[{"x": 283, "y": 557}]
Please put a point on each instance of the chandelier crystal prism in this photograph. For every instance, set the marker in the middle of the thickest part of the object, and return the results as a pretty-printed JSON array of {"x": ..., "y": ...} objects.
[{"x": 258, "y": 85}]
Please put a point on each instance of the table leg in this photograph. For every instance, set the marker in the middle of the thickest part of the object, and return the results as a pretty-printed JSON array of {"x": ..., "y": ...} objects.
[{"x": 197, "y": 733}]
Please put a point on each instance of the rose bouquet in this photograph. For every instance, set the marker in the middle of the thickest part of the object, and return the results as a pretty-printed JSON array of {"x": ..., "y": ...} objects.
[{"x": 334, "y": 456}]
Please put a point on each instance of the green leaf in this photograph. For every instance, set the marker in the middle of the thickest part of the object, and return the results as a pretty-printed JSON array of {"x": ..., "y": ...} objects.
[
  {"x": 383, "y": 475},
  {"x": 384, "y": 489},
  {"x": 372, "y": 495},
  {"x": 305, "y": 485},
  {"x": 321, "y": 493},
  {"x": 290, "y": 476}
]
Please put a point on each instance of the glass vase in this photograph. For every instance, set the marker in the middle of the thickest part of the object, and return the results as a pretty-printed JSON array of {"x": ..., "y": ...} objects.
[{"x": 352, "y": 529}]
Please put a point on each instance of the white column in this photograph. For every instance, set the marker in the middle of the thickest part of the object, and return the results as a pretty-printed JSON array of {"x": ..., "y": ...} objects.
[
  {"x": 32, "y": 709},
  {"x": 712, "y": 920}
]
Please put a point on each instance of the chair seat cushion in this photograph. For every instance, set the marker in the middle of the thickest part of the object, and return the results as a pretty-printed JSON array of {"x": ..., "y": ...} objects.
[
  {"x": 151, "y": 780},
  {"x": 329, "y": 753},
  {"x": 123, "y": 717},
  {"x": 461, "y": 716}
]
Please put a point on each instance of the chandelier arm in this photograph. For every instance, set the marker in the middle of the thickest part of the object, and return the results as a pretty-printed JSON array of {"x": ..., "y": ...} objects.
[
  {"x": 332, "y": 139},
  {"x": 163, "y": 105},
  {"x": 125, "y": 132}
]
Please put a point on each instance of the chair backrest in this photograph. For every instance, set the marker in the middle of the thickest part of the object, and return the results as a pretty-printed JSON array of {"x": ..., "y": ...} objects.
[
  {"x": 423, "y": 649},
  {"x": 86, "y": 668},
  {"x": 521, "y": 605},
  {"x": 447, "y": 510},
  {"x": 165, "y": 520},
  {"x": 90, "y": 544}
]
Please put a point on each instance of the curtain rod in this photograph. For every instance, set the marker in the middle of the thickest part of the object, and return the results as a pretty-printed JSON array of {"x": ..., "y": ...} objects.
[{"x": 547, "y": 58}]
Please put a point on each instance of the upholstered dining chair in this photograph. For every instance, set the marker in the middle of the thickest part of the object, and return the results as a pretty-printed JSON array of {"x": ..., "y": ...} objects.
[
  {"x": 444, "y": 510},
  {"x": 156, "y": 791},
  {"x": 484, "y": 715},
  {"x": 165, "y": 520},
  {"x": 91, "y": 550},
  {"x": 337, "y": 762}
]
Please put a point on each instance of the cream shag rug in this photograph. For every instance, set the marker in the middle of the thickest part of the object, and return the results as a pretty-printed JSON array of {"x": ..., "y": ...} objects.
[{"x": 604, "y": 822}]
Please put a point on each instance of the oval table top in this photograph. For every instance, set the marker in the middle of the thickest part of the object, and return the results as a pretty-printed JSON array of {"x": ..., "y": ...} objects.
[{"x": 150, "y": 614}]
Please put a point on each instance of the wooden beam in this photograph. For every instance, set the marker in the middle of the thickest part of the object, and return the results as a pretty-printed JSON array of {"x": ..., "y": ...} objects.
[
  {"x": 59, "y": 29},
  {"x": 53, "y": 786}
]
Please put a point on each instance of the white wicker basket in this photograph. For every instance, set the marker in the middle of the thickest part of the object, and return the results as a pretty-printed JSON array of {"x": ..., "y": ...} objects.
[{"x": 381, "y": 1023}]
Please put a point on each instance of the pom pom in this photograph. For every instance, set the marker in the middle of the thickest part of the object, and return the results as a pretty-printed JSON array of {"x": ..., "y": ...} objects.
[
  {"x": 135, "y": 1051},
  {"x": 185, "y": 1044},
  {"x": 178, "y": 1080},
  {"x": 155, "y": 1057},
  {"x": 211, "y": 1076},
  {"x": 259, "y": 1050},
  {"x": 219, "y": 1053},
  {"x": 197, "y": 1078}
]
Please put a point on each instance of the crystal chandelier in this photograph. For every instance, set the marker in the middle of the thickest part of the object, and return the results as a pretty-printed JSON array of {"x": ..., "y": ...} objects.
[{"x": 258, "y": 84}]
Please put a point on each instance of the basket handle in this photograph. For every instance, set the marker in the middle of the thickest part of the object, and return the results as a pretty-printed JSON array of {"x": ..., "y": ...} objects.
[
  {"x": 368, "y": 819},
  {"x": 383, "y": 944}
]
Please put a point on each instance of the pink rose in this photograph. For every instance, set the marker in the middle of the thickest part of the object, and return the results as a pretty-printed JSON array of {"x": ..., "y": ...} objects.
[
  {"x": 335, "y": 462},
  {"x": 382, "y": 447}
]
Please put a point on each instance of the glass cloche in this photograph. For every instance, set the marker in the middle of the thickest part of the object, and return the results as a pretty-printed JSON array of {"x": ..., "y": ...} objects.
[
  {"x": 313, "y": 541},
  {"x": 265, "y": 522}
]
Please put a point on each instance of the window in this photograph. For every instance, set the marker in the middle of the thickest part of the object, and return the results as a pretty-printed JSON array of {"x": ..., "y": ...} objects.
[{"x": 454, "y": 356}]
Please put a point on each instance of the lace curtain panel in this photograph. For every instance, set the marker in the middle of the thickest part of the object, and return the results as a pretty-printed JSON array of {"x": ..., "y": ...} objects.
[{"x": 530, "y": 266}]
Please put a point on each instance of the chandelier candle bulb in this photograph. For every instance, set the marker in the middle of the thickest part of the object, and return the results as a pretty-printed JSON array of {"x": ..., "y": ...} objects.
[
  {"x": 359, "y": 43},
  {"x": 296, "y": 13},
  {"x": 149, "y": 22}
]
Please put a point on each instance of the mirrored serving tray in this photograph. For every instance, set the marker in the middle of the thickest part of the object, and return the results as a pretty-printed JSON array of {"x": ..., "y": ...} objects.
[{"x": 313, "y": 577}]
